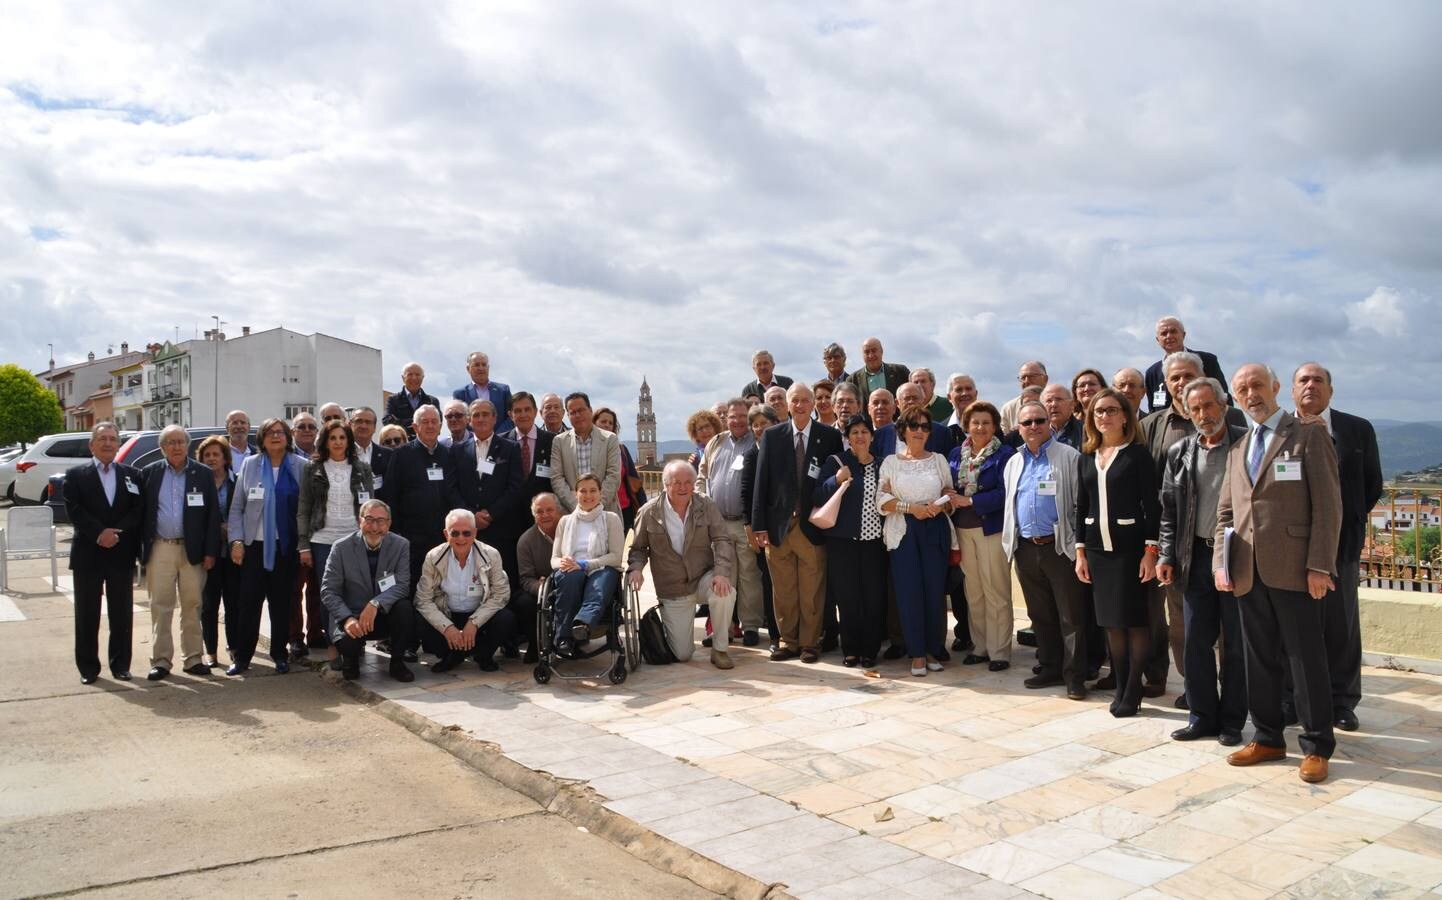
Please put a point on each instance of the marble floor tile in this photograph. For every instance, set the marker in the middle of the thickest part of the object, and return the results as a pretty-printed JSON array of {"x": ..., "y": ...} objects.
[
  {"x": 1333, "y": 883},
  {"x": 865, "y": 853},
  {"x": 1110, "y": 821},
  {"x": 988, "y": 785},
  {"x": 882, "y": 783},
  {"x": 1066, "y": 844},
  {"x": 998, "y": 821},
  {"x": 748, "y": 738},
  {"x": 1416, "y": 837},
  {"x": 894, "y": 820},
  {"x": 1006, "y": 862},
  {"x": 1072, "y": 881},
  {"x": 1207, "y": 883},
  {"x": 1181, "y": 842},
  {"x": 1255, "y": 863},
  {"x": 825, "y": 798},
  {"x": 1222, "y": 818},
  {"x": 1392, "y": 804},
  {"x": 1141, "y": 867},
  {"x": 934, "y": 801},
  {"x": 940, "y": 840},
  {"x": 939, "y": 875},
  {"x": 1394, "y": 864},
  {"x": 840, "y": 740},
  {"x": 754, "y": 810}
]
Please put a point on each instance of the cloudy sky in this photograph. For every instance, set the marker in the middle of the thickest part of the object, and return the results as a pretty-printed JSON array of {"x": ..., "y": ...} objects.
[{"x": 591, "y": 191}]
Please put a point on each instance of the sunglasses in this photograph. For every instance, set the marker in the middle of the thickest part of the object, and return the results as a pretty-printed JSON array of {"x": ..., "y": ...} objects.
[
  {"x": 918, "y": 426},
  {"x": 456, "y": 532},
  {"x": 1031, "y": 423},
  {"x": 455, "y": 415},
  {"x": 393, "y": 442}
]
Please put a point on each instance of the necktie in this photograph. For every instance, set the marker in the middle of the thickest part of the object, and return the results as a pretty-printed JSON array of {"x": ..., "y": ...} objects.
[
  {"x": 800, "y": 467},
  {"x": 1254, "y": 459},
  {"x": 526, "y": 454}
]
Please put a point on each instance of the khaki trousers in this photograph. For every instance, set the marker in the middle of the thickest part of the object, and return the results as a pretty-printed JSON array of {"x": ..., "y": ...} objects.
[
  {"x": 798, "y": 588},
  {"x": 678, "y": 616},
  {"x": 988, "y": 592},
  {"x": 746, "y": 590},
  {"x": 168, "y": 572}
]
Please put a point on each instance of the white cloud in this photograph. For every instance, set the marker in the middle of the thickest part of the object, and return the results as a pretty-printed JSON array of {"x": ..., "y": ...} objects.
[{"x": 662, "y": 190}]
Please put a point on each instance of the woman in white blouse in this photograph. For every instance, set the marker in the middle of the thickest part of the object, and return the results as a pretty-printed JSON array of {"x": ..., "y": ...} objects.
[
  {"x": 332, "y": 489},
  {"x": 586, "y": 557},
  {"x": 916, "y": 494}
]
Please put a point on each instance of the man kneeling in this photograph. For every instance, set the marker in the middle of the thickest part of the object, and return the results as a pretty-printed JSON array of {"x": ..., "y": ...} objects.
[
  {"x": 462, "y": 596},
  {"x": 692, "y": 558},
  {"x": 366, "y": 587}
]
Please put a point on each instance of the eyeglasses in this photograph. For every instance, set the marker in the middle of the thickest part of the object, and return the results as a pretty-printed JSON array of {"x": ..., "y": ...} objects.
[
  {"x": 375, "y": 520},
  {"x": 355, "y": 422},
  {"x": 456, "y": 532},
  {"x": 1031, "y": 423},
  {"x": 275, "y": 432},
  {"x": 393, "y": 442},
  {"x": 1101, "y": 412},
  {"x": 306, "y": 427},
  {"x": 455, "y": 415}
]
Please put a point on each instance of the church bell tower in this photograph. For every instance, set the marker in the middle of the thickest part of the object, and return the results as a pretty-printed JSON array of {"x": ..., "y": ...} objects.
[{"x": 645, "y": 427}]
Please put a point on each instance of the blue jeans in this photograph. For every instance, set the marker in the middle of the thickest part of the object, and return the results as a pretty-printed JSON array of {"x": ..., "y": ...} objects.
[
  {"x": 918, "y": 572},
  {"x": 582, "y": 597},
  {"x": 1208, "y": 613}
]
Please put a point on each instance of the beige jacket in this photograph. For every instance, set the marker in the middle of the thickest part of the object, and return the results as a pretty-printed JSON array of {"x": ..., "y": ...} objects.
[
  {"x": 605, "y": 465},
  {"x": 707, "y": 547},
  {"x": 431, "y": 596}
]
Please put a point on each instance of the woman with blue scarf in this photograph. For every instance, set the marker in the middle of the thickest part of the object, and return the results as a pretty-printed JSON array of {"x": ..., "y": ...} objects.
[{"x": 263, "y": 542}]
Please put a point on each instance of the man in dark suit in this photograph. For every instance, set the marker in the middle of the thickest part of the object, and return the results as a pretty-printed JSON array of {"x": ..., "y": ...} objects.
[
  {"x": 402, "y": 405},
  {"x": 875, "y": 373},
  {"x": 787, "y": 466},
  {"x": 1171, "y": 337},
  {"x": 1278, "y": 521},
  {"x": 105, "y": 506},
  {"x": 180, "y": 540},
  {"x": 535, "y": 458},
  {"x": 911, "y": 396},
  {"x": 420, "y": 490},
  {"x": 764, "y": 365},
  {"x": 363, "y": 426},
  {"x": 366, "y": 588},
  {"x": 478, "y": 366},
  {"x": 490, "y": 482},
  {"x": 1359, "y": 469}
]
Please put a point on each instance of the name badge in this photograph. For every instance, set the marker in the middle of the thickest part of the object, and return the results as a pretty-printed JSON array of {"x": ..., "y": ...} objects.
[
  {"x": 1287, "y": 470},
  {"x": 362, "y": 496},
  {"x": 738, "y": 464},
  {"x": 1046, "y": 488},
  {"x": 386, "y": 583},
  {"x": 1159, "y": 397},
  {"x": 434, "y": 473},
  {"x": 194, "y": 498},
  {"x": 256, "y": 493},
  {"x": 486, "y": 467},
  {"x": 813, "y": 471},
  {"x": 473, "y": 590},
  {"x": 132, "y": 487},
  {"x": 543, "y": 471},
  {"x": 379, "y": 480}
]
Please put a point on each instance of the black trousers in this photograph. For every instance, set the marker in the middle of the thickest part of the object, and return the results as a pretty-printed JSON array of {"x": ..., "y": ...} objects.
[
  {"x": 222, "y": 590},
  {"x": 522, "y": 606},
  {"x": 856, "y": 571},
  {"x": 1283, "y": 633},
  {"x": 499, "y": 629},
  {"x": 962, "y": 629},
  {"x": 276, "y": 590},
  {"x": 1209, "y": 614},
  {"x": 1342, "y": 633},
  {"x": 1056, "y": 605},
  {"x": 766, "y": 597},
  {"x": 394, "y": 626},
  {"x": 118, "y": 586}
]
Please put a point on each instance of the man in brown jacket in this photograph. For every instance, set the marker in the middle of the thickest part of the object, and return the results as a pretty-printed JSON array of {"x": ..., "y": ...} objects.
[
  {"x": 692, "y": 560},
  {"x": 1282, "y": 503}
]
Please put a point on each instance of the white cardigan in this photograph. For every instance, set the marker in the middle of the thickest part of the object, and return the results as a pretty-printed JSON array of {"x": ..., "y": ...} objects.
[{"x": 615, "y": 542}]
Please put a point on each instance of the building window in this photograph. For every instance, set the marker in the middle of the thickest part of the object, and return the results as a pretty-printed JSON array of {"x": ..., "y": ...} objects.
[
  {"x": 294, "y": 409},
  {"x": 290, "y": 374}
]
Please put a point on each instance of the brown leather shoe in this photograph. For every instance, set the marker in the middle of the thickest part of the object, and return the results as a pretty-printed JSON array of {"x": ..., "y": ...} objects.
[
  {"x": 1255, "y": 753},
  {"x": 1314, "y": 769}
]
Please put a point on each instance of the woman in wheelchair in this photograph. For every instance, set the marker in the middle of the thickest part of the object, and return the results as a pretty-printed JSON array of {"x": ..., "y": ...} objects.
[{"x": 586, "y": 557}]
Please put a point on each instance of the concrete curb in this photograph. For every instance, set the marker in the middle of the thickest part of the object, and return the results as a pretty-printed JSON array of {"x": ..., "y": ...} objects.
[{"x": 576, "y": 803}]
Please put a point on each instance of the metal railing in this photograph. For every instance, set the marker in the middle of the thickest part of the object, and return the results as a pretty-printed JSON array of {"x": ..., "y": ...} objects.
[{"x": 1401, "y": 551}]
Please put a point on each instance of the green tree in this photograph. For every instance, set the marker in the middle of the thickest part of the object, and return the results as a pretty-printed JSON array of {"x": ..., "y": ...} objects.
[
  {"x": 1429, "y": 539},
  {"x": 27, "y": 409}
]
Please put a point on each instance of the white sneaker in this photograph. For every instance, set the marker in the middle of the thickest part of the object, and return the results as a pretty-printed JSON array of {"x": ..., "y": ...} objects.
[
  {"x": 934, "y": 666},
  {"x": 918, "y": 671}
]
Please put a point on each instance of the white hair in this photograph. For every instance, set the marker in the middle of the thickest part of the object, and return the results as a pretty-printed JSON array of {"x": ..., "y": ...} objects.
[{"x": 456, "y": 515}]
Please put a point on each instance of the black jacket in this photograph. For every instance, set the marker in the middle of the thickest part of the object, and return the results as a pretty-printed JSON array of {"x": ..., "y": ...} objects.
[
  {"x": 1155, "y": 379},
  {"x": 380, "y": 458},
  {"x": 1179, "y": 501},
  {"x": 496, "y": 493},
  {"x": 754, "y": 387},
  {"x": 531, "y": 483},
  {"x": 418, "y": 503},
  {"x": 1133, "y": 513},
  {"x": 1154, "y": 432},
  {"x": 848, "y": 519},
  {"x": 399, "y": 412},
  {"x": 1360, "y": 469},
  {"x": 91, "y": 514},
  {"x": 199, "y": 524},
  {"x": 776, "y": 496}
]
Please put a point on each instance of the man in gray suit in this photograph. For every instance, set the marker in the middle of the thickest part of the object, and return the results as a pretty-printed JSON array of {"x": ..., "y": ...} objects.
[
  {"x": 1280, "y": 516},
  {"x": 367, "y": 587},
  {"x": 585, "y": 448}
]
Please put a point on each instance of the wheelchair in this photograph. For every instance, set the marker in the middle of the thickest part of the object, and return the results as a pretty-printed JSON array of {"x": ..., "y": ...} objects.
[{"x": 621, "y": 644}]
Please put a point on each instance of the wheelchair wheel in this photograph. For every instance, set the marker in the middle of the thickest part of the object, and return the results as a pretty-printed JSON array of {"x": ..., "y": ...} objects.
[
  {"x": 542, "y": 674},
  {"x": 618, "y": 672}
]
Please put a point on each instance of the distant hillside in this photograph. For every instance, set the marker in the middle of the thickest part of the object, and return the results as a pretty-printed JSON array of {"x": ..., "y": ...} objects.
[
  {"x": 663, "y": 447},
  {"x": 1409, "y": 447}
]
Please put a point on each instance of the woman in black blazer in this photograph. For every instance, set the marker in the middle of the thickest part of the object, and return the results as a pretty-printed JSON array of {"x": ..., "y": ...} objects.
[
  {"x": 1118, "y": 515},
  {"x": 222, "y": 582},
  {"x": 855, "y": 552}
]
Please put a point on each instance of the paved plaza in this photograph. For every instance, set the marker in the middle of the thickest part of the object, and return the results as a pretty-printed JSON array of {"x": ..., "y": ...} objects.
[{"x": 836, "y": 784}]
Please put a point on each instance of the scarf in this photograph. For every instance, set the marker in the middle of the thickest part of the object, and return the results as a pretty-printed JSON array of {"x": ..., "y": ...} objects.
[
  {"x": 267, "y": 480},
  {"x": 599, "y": 544},
  {"x": 968, "y": 466}
]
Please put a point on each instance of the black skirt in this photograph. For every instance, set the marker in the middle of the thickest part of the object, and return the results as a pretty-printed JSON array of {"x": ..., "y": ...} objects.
[{"x": 1121, "y": 599}]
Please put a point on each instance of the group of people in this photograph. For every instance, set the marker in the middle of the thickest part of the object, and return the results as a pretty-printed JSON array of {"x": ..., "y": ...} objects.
[{"x": 840, "y": 514}]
